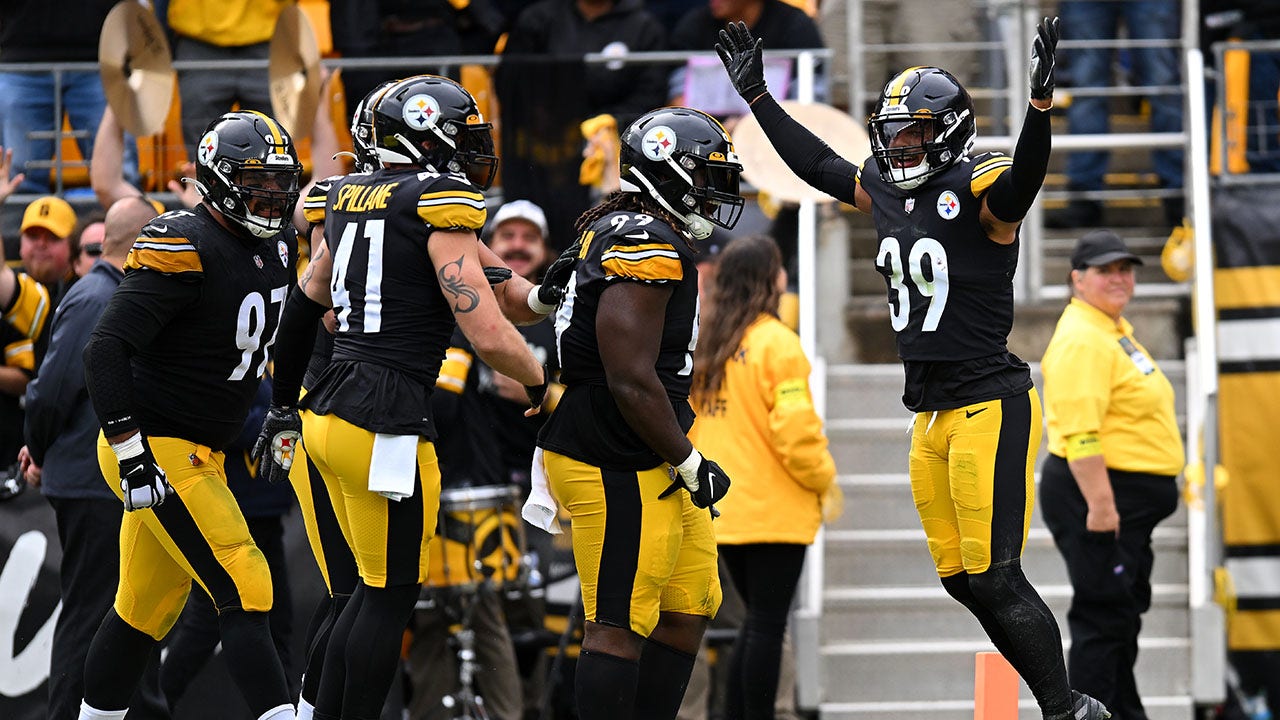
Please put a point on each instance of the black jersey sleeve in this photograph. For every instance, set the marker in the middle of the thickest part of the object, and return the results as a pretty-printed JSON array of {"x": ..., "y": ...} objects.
[
  {"x": 315, "y": 203},
  {"x": 1013, "y": 192},
  {"x": 452, "y": 203},
  {"x": 140, "y": 308},
  {"x": 805, "y": 153},
  {"x": 646, "y": 251}
]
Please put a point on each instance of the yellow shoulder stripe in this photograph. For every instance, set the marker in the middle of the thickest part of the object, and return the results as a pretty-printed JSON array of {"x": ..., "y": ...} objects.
[
  {"x": 30, "y": 308},
  {"x": 987, "y": 172},
  {"x": 20, "y": 354},
  {"x": 658, "y": 261},
  {"x": 453, "y": 208},
  {"x": 454, "y": 369},
  {"x": 164, "y": 256},
  {"x": 313, "y": 208}
]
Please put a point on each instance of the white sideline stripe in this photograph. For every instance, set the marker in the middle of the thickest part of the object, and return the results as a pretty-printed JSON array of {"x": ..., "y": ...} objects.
[
  {"x": 1255, "y": 576},
  {"x": 1253, "y": 339},
  {"x": 1171, "y": 591},
  {"x": 948, "y": 705},
  {"x": 946, "y": 647}
]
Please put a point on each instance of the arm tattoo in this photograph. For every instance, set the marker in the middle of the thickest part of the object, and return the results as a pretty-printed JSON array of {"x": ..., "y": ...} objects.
[
  {"x": 306, "y": 274},
  {"x": 465, "y": 299}
]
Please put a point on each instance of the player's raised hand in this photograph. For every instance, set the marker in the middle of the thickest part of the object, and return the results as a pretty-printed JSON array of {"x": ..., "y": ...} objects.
[
  {"x": 1043, "y": 50},
  {"x": 743, "y": 58}
]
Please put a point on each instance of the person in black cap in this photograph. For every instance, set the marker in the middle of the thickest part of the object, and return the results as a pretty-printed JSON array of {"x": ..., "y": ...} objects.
[{"x": 1114, "y": 453}]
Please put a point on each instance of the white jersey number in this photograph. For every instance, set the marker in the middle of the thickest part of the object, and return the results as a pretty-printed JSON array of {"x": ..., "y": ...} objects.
[{"x": 925, "y": 251}]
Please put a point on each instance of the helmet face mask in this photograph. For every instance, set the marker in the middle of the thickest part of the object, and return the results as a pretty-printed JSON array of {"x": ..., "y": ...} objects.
[
  {"x": 924, "y": 125},
  {"x": 433, "y": 123},
  {"x": 248, "y": 169},
  {"x": 362, "y": 130},
  {"x": 684, "y": 160}
]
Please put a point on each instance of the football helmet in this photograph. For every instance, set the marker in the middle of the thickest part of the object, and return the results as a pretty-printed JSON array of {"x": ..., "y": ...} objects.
[
  {"x": 362, "y": 130},
  {"x": 433, "y": 122},
  {"x": 247, "y": 168},
  {"x": 924, "y": 124},
  {"x": 684, "y": 159}
]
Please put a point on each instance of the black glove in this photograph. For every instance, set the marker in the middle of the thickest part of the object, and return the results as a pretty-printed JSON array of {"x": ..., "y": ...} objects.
[
  {"x": 743, "y": 59},
  {"x": 497, "y": 275},
  {"x": 281, "y": 433},
  {"x": 556, "y": 280},
  {"x": 705, "y": 481},
  {"x": 142, "y": 479},
  {"x": 1042, "y": 59},
  {"x": 538, "y": 393}
]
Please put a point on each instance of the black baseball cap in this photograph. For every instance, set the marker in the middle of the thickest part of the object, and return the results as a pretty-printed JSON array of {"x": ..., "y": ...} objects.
[{"x": 1099, "y": 247}]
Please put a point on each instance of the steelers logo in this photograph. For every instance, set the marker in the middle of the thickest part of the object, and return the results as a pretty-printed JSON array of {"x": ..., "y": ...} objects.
[
  {"x": 208, "y": 148},
  {"x": 421, "y": 112},
  {"x": 948, "y": 205},
  {"x": 659, "y": 142}
]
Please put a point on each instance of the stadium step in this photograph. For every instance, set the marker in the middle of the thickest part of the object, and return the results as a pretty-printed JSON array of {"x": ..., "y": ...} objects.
[{"x": 893, "y": 645}]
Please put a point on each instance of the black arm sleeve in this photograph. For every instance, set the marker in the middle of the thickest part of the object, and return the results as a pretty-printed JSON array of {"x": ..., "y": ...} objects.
[
  {"x": 139, "y": 309},
  {"x": 805, "y": 153},
  {"x": 295, "y": 339},
  {"x": 1011, "y": 195}
]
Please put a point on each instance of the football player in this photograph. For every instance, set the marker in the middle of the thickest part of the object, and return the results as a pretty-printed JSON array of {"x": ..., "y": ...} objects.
[
  {"x": 401, "y": 265},
  {"x": 172, "y": 369},
  {"x": 948, "y": 224},
  {"x": 615, "y": 450},
  {"x": 321, "y": 503}
]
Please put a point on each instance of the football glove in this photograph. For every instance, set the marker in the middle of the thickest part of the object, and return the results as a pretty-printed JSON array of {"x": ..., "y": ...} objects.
[
  {"x": 281, "y": 433},
  {"x": 1042, "y": 59},
  {"x": 555, "y": 281},
  {"x": 538, "y": 393},
  {"x": 496, "y": 275},
  {"x": 743, "y": 58},
  {"x": 703, "y": 478},
  {"x": 142, "y": 480}
]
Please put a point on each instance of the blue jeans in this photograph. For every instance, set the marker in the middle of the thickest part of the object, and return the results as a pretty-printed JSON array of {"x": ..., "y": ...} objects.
[
  {"x": 29, "y": 107},
  {"x": 1091, "y": 68}
]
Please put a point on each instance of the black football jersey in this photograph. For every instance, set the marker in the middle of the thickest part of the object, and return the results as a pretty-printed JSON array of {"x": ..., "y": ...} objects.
[
  {"x": 197, "y": 376},
  {"x": 950, "y": 287},
  {"x": 621, "y": 247},
  {"x": 394, "y": 323}
]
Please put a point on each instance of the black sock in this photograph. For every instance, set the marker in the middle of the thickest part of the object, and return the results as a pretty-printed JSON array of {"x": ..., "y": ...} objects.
[
  {"x": 373, "y": 648},
  {"x": 333, "y": 678},
  {"x": 117, "y": 656},
  {"x": 1035, "y": 643},
  {"x": 251, "y": 659},
  {"x": 605, "y": 686},
  {"x": 322, "y": 622},
  {"x": 663, "y": 677}
]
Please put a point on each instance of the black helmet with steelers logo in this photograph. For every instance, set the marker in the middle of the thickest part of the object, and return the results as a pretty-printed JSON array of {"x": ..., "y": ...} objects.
[
  {"x": 248, "y": 169},
  {"x": 684, "y": 160},
  {"x": 433, "y": 123}
]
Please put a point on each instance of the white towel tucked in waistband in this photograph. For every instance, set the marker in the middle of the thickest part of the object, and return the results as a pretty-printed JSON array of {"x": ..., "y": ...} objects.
[
  {"x": 394, "y": 465},
  {"x": 541, "y": 509}
]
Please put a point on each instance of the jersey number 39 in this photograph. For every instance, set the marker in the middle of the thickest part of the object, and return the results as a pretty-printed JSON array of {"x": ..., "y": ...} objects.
[{"x": 933, "y": 288}]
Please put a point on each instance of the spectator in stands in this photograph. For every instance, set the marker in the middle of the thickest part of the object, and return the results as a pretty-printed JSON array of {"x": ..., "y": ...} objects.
[
  {"x": 1111, "y": 474},
  {"x": 751, "y": 393},
  {"x": 547, "y": 91},
  {"x": 264, "y": 505},
  {"x": 783, "y": 26},
  {"x": 88, "y": 243},
  {"x": 231, "y": 30},
  {"x": 30, "y": 293},
  {"x": 61, "y": 458},
  {"x": 1099, "y": 21},
  {"x": 409, "y": 28},
  {"x": 49, "y": 32}
]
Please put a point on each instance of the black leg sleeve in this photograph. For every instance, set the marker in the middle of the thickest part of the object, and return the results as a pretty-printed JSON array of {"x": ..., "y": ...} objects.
[
  {"x": 605, "y": 686},
  {"x": 373, "y": 648},
  {"x": 662, "y": 679},
  {"x": 117, "y": 656},
  {"x": 252, "y": 661}
]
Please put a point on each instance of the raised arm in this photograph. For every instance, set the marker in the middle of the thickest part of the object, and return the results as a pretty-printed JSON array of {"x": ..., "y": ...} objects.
[
  {"x": 8, "y": 278},
  {"x": 805, "y": 153}
]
